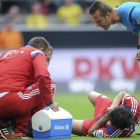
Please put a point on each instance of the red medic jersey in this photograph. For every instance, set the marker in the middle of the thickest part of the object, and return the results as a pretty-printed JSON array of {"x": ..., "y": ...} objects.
[{"x": 23, "y": 67}]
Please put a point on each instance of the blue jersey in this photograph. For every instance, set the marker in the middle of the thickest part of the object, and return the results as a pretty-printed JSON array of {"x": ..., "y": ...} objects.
[{"x": 129, "y": 13}]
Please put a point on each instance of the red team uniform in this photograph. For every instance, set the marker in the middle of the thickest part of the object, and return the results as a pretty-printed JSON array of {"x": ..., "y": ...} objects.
[
  {"x": 25, "y": 84},
  {"x": 108, "y": 130}
]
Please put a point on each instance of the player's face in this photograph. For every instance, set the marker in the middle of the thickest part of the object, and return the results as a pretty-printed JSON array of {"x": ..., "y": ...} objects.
[
  {"x": 48, "y": 55},
  {"x": 100, "y": 21}
]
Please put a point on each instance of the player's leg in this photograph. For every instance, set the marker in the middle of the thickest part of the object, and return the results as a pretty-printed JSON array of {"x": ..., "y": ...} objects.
[
  {"x": 100, "y": 102},
  {"x": 33, "y": 104},
  {"x": 93, "y": 96},
  {"x": 81, "y": 127},
  {"x": 77, "y": 127},
  {"x": 23, "y": 121},
  {"x": 19, "y": 106},
  {"x": 14, "y": 104},
  {"x": 10, "y": 105}
]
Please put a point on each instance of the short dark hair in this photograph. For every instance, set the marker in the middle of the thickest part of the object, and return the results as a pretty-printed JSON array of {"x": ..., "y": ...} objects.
[
  {"x": 39, "y": 42},
  {"x": 121, "y": 118},
  {"x": 101, "y": 6}
]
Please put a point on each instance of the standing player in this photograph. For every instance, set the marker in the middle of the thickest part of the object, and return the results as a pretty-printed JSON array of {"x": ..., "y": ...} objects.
[
  {"x": 121, "y": 119},
  {"x": 128, "y": 14},
  {"x": 25, "y": 85}
]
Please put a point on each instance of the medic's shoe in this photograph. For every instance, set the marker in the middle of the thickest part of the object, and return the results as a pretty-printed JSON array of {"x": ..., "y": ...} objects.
[
  {"x": 4, "y": 123},
  {"x": 28, "y": 134},
  {"x": 10, "y": 133}
]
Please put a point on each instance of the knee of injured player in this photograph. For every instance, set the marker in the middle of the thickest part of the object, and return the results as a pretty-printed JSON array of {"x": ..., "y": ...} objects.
[{"x": 121, "y": 118}]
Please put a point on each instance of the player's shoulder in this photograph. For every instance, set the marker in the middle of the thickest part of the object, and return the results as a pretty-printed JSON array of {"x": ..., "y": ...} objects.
[
  {"x": 130, "y": 100},
  {"x": 129, "y": 97},
  {"x": 31, "y": 51},
  {"x": 28, "y": 49},
  {"x": 127, "y": 6}
]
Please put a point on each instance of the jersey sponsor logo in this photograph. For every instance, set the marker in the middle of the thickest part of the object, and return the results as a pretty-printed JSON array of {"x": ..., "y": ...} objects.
[
  {"x": 59, "y": 127},
  {"x": 100, "y": 133}
]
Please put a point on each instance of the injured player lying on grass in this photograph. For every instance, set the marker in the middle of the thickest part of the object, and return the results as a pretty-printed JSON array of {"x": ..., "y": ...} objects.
[{"x": 117, "y": 118}]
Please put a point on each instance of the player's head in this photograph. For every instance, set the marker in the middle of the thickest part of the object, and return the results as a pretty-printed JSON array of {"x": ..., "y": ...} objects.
[
  {"x": 42, "y": 44},
  {"x": 101, "y": 14},
  {"x": 121, "y": 118}
]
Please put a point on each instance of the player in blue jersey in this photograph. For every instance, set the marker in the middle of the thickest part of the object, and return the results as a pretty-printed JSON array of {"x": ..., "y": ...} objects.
[{"x": 128, "y": 14}]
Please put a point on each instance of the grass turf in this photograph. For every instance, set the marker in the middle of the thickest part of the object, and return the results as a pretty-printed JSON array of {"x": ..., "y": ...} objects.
[{"x": 80, "y": 108}]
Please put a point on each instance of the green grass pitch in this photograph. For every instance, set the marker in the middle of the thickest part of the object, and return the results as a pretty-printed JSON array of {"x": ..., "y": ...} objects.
[{"x": 80, "y": 108}]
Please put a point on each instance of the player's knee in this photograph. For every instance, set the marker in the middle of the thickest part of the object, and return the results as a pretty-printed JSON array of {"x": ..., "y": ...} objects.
[
  {"x": 90, "y": 95},
  {"x": 123, "y": 92},
  {"x": 93, "y": 95}
]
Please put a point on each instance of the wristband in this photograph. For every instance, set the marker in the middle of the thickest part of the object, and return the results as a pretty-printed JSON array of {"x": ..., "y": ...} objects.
[
  {"x": 138, "y": 47},
  {"x": 49, "y": 103}
]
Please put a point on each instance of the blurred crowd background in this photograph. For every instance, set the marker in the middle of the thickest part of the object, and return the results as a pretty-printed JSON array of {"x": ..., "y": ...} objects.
[{"x": 42, "y": 15}]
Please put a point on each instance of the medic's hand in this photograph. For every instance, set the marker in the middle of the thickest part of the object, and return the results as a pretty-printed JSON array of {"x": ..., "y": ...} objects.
[
  {"x": 54, "y": 106},
  {"x": 138, "y": 55}
]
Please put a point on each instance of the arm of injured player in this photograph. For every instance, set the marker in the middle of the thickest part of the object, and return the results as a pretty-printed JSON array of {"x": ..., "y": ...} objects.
[
  {"x": 98, "y": 124},
  {"x": 118, "y": 99}
]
